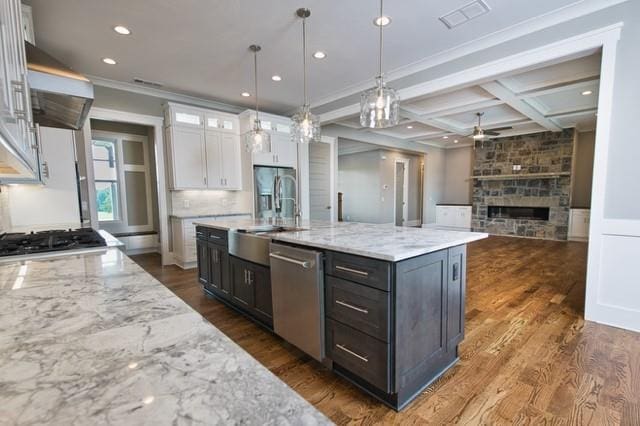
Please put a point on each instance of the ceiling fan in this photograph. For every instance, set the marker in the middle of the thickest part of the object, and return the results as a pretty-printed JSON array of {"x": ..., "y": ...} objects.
[{"x": 479, "y": 134}]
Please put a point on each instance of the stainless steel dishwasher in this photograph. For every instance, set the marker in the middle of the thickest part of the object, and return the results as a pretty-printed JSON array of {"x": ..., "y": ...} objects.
[{"x": 297, "y": 289}]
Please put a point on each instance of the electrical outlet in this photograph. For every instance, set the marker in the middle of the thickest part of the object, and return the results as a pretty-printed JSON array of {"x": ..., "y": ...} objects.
[
  {"x": 517, "y": 167},
  {"x": 186, "y": 203},
  {"x": 225, "y": 202}
]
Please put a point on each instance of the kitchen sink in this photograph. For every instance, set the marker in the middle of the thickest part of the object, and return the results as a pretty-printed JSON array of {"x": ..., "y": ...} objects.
[{"x": 252, "y": 243}]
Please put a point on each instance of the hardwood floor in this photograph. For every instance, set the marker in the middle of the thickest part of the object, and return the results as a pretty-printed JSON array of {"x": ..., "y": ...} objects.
[{"x": 528, "y": 356}]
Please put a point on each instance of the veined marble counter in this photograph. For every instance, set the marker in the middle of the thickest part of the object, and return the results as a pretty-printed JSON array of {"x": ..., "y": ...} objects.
[
  {"x": 379, "y": 241},
  {"x": 199, "y": 216},
  {"x": 94, "y": 339}
]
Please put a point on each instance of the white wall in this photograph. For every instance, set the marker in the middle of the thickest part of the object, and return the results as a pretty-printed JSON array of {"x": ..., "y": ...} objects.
[
  {"x": 458, "y": 169},
  {"x": 582, "y": 173},
  {"x": 434, "y": 179},
  {"x": 5, "y": 217}
]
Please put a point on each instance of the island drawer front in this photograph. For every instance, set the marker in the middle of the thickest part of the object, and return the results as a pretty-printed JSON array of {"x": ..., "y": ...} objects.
[
  {"x": 202, "y": 233},
  {"x": 363, "y": 308},
  {"x": 362, "y": 355},
  {"x": 218, "y": 236},
  {"x": 363, "y": 270}
]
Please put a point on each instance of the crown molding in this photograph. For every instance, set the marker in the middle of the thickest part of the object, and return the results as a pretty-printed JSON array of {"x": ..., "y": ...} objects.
[
  {"x": 521, "y": 29},
  {"x": 165, "y": 95}
]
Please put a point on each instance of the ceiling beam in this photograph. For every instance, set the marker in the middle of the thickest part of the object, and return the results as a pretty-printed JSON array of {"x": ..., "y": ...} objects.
[
  {"x": 501, "y": 92},
  {"x": 561, "y": 87},
  {"x": 475, "y": 106},
  {"x": 572, "y": 113}
]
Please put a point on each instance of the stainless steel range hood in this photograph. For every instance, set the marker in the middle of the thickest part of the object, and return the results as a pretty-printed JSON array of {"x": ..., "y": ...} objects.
[{"x": 60, "y": 97}]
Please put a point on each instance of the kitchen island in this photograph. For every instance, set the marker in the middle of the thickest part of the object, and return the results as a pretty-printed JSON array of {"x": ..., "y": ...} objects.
[
  {"x": 392, "y": 305},
  {"x": 94, "y": 339}
]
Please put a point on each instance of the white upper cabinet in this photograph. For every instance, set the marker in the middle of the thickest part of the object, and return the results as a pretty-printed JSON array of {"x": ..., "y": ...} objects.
[
  {"x": 188, "y": 155},
  {"x": 204, "y": 147},
  {"x": 16, "y": 119},
  {"x": 284, "y": 153}
]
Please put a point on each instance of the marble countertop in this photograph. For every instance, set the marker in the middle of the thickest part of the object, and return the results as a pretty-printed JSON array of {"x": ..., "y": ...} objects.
[
  {"x": 379, "y": 241},
  {"x": 196, "y": 216},
  {"x": 94, "y": 339}
]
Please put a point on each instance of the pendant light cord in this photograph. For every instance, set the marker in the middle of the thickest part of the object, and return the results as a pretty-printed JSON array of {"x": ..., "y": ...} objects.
[
  {"x": 255, "y": 78},
  {"x": 304, "y": 57},
  {"x": 380, "y": 57}
]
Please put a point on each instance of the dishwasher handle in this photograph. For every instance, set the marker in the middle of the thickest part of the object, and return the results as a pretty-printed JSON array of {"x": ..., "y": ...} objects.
[{"x": 304, "y": 263}]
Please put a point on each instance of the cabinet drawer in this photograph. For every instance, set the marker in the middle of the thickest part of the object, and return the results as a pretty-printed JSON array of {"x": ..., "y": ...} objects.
[
  {"x": 364, "y": 270},
  {"x": 218, "y": 236},
  {"x": 364, "y": 356},
  {"x": 363, "y": 308},
  {"x": 202, "y": 233}
]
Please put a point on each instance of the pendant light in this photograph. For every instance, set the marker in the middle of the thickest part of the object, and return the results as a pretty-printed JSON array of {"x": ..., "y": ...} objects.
[
  {"x": 380, "y": 106},
  {"x": 257, "y": 140},
  {"x": 306, "y": 126}
]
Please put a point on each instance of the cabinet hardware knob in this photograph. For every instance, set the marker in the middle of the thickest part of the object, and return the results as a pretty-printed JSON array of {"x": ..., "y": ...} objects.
[
  {"x": 350, "y": 306},
  {"x": 360, "y": 357}
]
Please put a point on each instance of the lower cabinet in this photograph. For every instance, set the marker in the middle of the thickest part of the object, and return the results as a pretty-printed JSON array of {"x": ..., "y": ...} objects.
[
  {"x": 395, "y": 332},
  {"x": 213, "y": 267},
  {"x": 251, "y": 289}
]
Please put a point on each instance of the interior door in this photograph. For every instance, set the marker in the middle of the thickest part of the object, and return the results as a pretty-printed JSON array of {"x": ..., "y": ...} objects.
[
  {"x": 399, "y": 195},
  {"x": 320, "y": 181}
]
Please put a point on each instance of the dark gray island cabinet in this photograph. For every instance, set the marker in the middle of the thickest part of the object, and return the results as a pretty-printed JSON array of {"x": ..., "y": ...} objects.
[{"x": 391, "y": 328}]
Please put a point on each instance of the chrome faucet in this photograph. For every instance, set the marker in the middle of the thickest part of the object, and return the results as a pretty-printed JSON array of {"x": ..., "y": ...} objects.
[{"x": 278, "y": 198}]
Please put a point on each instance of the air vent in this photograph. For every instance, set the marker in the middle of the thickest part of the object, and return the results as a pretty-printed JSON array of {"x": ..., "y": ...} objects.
[
  {"x": 464, "y": 14},
  {"x": 147, "y": 83}
]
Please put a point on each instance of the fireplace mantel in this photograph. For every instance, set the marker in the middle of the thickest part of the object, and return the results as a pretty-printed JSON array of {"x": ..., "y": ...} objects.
[{"x": 523, "y": 176}]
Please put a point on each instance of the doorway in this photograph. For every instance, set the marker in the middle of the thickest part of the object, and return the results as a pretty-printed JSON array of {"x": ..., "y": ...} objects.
[
  {"x": 320, "y": 181},
  {"x": 401, "y": 192}
]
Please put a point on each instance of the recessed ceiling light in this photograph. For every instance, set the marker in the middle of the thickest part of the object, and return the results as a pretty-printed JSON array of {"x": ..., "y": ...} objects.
[
  {"x": 319, "y": 54},
  {"x": 109, "y": 61},
  {"x": 122, "y": 30},
  {"x": 382, "y": 21},
  {"x": 445, "y": 137},
  {"x": 455, "y": 141},
  {"x": 587, "y": 93},
  {"x": 276, "y": 78},
  {"x": 409, "y": 127},
  {"x": 245, "y": 94}
]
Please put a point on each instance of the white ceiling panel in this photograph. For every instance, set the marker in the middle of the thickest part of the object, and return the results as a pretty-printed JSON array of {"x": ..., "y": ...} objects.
[
  {"x": 492, "y": 117},
  {"x": 567, "y": 100},
  {"x": 448, "y": 101},
  {"x": 583, "y": 122},
  {"x": 564, "y": 72},
  {"x": 410, "y": 130}
]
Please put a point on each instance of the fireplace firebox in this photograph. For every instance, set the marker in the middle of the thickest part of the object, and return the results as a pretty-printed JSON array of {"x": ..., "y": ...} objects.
[{"x": 511, "y": 212}]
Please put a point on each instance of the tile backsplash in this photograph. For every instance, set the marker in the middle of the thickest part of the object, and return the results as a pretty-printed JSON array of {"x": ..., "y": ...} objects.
[{"x": 211, "y": 202}]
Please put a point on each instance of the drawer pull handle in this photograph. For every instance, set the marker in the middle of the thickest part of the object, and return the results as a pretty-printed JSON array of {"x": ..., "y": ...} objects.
[
  {"x": 215, "y": 237},
  {"x": 353, "y": 271},
  {"x": 304, "y": 263},
  {"x": 360, "y": 357},
  {"x": 355, "y": 308}
]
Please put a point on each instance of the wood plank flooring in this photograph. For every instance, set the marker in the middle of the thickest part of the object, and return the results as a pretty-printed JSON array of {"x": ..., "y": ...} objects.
[{"x": 528, "y": 356}]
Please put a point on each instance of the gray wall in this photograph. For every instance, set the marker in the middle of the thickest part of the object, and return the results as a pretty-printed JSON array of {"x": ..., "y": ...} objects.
[
  {"x": 458, "y": 168},
  {"x": 582, "y": 170},
  {"x": 367, "y": 181}
]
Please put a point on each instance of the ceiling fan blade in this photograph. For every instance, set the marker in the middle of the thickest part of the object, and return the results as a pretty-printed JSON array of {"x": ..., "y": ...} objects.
[
  {"x": 497, "y": 129},
  {"x": 491, "y": 133}
]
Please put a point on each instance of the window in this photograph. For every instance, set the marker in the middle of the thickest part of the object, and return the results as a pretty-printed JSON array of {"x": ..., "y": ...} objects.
[{"x": 105, "y": 170}]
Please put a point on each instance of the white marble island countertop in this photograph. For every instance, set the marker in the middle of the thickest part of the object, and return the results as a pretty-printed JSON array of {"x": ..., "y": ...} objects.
[
  {"x": 94, "y": 339},
  {"x": 379, "y": 241}
]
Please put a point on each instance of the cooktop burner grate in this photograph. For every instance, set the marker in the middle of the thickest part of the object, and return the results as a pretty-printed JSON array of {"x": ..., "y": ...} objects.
[{"x": 13, "y": 244}]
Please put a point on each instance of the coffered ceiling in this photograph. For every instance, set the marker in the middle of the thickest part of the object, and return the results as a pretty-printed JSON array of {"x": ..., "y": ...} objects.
[
  {"x": 199, "y": 48},
  {"x": 554, "y": 97}
]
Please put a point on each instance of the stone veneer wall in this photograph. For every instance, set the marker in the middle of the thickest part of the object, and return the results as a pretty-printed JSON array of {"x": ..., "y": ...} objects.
[{"x": 548, "y": 152}]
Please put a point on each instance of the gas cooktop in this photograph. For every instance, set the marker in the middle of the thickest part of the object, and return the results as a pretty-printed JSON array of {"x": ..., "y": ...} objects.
[{"x": 14, "y": 244}]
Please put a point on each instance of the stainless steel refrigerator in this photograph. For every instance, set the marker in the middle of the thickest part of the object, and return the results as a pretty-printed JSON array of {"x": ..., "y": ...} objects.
[{"x": 264, "y": 177}]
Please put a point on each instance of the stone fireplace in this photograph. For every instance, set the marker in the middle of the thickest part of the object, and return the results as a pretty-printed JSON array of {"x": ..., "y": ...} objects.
[{"x": 532, "y": 201}]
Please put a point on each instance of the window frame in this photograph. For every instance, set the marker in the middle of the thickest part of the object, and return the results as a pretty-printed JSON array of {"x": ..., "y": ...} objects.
[{"x": 119, "y": 211}]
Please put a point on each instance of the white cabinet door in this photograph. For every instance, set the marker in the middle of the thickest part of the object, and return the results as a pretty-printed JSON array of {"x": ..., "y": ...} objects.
[
  {"x": 463, "y": 217},
  {"x": 442, "y": 216},
  {"x": 186, "y": 117},
  {"x": 231, "y": 158},
  {"x": 214, "y": 165},
  {"x": 285, "y": 151},
  {"x": 189, "y": 158},
  {"x": 579, "y": 223},
  {"x": 265, "y": 159}
]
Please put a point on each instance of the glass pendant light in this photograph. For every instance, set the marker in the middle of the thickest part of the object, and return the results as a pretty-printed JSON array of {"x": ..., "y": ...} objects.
[
  {"x": 306, "y": 126},
  {"x": 257, "y": 140},
  {"x": 380, "y": 106}
]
